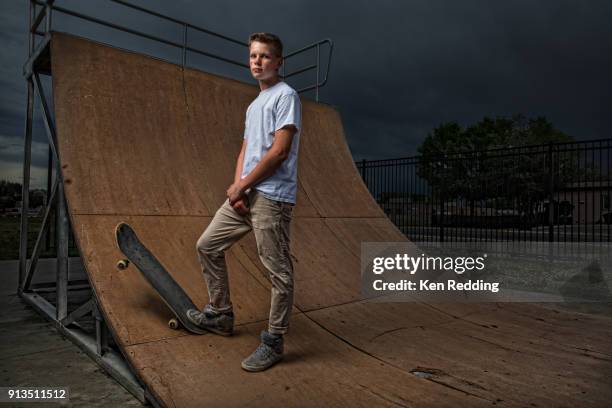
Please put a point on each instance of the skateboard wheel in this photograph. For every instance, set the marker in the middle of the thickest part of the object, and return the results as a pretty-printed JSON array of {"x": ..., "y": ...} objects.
[
  {"x": 122, "y": 264},
  {"x": 174, "y": 324}
]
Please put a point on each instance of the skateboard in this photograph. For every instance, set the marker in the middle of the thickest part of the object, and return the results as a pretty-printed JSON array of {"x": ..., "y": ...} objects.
[{"x": 158, "y": 277}]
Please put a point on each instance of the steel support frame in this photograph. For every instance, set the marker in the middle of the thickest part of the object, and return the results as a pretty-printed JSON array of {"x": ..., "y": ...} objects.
[
  {"x": 95, "y": 346},
  {"x": 111, "y": 361}
]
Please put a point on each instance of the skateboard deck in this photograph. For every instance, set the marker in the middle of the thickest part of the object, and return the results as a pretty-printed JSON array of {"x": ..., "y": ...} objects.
[{"x": 158, "y": 277}]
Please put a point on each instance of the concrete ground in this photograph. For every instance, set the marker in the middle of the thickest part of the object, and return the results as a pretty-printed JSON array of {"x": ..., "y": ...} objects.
[{"x": 34, "y": 354}]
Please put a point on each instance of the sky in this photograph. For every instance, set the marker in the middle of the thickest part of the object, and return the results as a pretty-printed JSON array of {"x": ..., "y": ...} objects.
[{"x": 399, "y": 68}]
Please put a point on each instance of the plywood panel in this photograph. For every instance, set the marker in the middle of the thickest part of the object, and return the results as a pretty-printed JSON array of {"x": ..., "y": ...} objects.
[
  {"x": 500, "y": 362},
  {"x": 123, "y": 136},
  {"x": 351, "y": 232},
  {"x": 319, "y": 370},
  {"x": 581, "y": 331}
]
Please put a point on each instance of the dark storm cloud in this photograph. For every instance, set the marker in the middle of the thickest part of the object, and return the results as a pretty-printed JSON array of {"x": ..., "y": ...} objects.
[
  {"x": 399, "y": 67},
  {"x": 463, "y": 60}
]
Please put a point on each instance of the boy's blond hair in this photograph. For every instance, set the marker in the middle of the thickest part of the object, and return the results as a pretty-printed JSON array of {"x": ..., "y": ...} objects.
[{"x": 268, "y": 38}]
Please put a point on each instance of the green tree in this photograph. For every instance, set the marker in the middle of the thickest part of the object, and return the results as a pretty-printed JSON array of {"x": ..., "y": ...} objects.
[
  {"x": 9, "y": 189},
  {"x": 10, "y": 193},
  {"x": 489, "y": 160}
]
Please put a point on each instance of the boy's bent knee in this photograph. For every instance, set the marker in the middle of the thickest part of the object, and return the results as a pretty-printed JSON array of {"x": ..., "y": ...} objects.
[{"x": 205, "y": 246}]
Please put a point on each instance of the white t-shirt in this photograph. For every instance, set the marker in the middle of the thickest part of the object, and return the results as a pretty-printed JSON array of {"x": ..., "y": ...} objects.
[{"x": 274, "y": 108}]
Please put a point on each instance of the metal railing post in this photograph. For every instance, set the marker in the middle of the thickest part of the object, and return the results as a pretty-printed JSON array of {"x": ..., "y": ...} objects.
[
  {"x": 318, "y": 61},
  {"x": 48, "y": 9},
  {"x": 551, "y": 204},
  {"x": 184, "y": 45}
]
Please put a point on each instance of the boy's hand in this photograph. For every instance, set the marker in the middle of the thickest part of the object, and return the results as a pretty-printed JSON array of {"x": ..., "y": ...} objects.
[
  {"x": 242, "y": 206},
  {"x": 234, "y": 193}
]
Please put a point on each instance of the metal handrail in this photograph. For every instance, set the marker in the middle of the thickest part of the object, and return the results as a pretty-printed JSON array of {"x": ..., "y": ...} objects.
[
  {"x": 306, "y": 48},
  {"x": 48, "y": 6},
  {"x": 181, "y": 22}
]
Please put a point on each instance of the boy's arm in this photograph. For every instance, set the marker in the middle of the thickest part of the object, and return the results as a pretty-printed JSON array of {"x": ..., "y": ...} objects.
[
  {"x": 279, "y": 151},
  {"x": 240, "y": 162}
]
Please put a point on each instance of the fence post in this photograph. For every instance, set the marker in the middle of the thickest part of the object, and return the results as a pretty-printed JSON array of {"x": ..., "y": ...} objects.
[
  {"x": 551, "y": 186},
  {"x": 441, "y": 218},
  {"x": 363, "y": 167}
]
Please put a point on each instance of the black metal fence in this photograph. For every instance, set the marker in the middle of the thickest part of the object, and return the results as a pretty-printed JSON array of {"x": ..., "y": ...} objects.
[{"x": 558, "y": 192}]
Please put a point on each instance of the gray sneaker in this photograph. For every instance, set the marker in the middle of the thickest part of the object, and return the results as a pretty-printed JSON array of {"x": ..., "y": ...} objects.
[
  {"x": 219, "y": 323},
  {"x": 268, "y": 353}
]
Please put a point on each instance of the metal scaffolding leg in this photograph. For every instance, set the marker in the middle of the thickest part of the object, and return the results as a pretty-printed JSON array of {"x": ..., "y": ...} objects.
[
  {"x": 112, "y": 361},
  {"x": 25, "y": 188},
  {"x": 97, "y": 345},
  {"x": 62, "y": 254},
  {"x": 101, "y": 331}
]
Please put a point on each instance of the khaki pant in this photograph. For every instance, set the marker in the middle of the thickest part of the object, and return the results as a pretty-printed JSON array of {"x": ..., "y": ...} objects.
[{"x": 270, "y": 222}]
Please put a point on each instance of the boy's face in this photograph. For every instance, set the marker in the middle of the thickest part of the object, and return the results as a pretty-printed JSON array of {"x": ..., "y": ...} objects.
[{"x": 263, "y": 61}]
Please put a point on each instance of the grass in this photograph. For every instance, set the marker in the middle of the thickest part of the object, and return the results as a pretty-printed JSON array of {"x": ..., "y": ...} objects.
[{"x": 9, "y": 238}]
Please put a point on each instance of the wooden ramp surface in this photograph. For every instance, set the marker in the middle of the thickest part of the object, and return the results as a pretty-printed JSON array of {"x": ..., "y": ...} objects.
[{"x": 146, "y": 142}]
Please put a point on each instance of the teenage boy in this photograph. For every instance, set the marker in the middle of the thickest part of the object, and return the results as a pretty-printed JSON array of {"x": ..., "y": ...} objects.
[{"x": 261, "y": 199}]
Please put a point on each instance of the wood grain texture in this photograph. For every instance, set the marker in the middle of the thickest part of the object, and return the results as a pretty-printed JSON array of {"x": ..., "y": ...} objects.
[
  {"x": 121, "y": 157},
  {"x": 145, "y": 142},
  {"x": 493, "y": 351},
  {"x": 318, "y": 370}
]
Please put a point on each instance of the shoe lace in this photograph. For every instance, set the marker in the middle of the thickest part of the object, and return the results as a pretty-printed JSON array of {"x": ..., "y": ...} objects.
[
  {"x": 263, "y": 351},
  {"x": 197, "y": 316}
]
